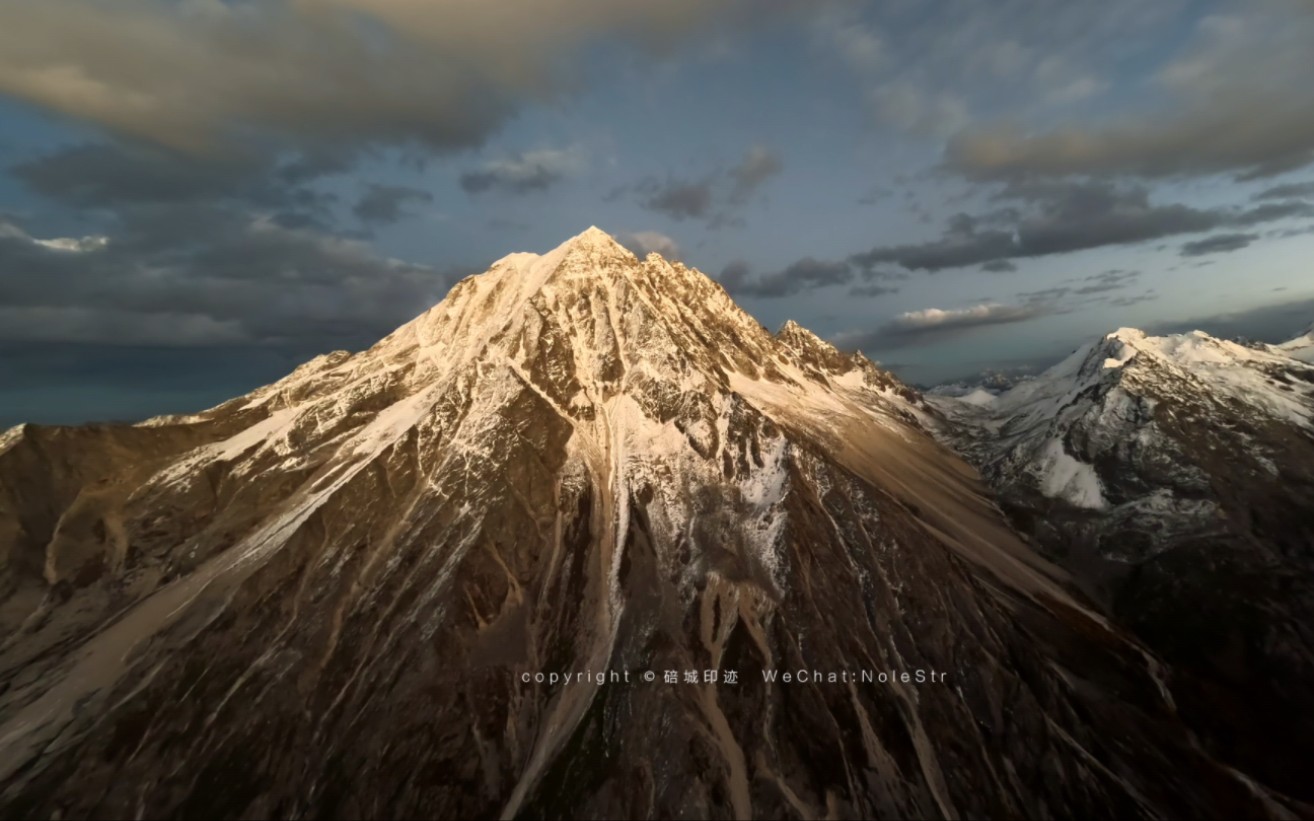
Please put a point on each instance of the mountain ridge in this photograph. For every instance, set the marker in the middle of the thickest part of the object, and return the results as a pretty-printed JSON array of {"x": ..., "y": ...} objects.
[
  {"x": 1172, "y": 477},
  {"x": 576, "y": 461}
]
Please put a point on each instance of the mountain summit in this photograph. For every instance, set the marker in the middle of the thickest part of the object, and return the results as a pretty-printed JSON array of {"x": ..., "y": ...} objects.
[{"x": 386, "y": 586}]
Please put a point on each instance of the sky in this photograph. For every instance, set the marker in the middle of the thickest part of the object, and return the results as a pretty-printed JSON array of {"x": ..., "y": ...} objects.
[{"x": 198, "y": 195}]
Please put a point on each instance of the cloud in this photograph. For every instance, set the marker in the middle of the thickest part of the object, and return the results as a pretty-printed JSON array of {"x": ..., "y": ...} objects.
[
  {"x": 1272, "y": 323},
  {"x": 1136, "y": 299},
  {"x": 66, "y": 245},
  {"x": 340, "y": 72},
  {"x": 935, "y": 323},
  {"x": 857, "y": 44},
  {"x": 1286, "y": 233},
  {"x": 714, "y": 197},
  {"x": 876, "y": 194},
  {"x": 386, "y": 204},
  {"x": 1236, "y": 101},
  {"x": 1223, "y": 243},
  {"x": 105, "y": 175},
  {"x": 524, "y": 173},
  {"x": 207, "y": 275},
  {"x": 642, "y": 243},
  {"x": 1290, "y": 191},
  {"x": 918, "y": 111},
  {"x": 803, "y": 275},
  {"x": 873, "y": 290},
  {"x": 1059, "y": 217},
  {"x": 1115, "y": 280},
  {"x": 758, "y": 165},
  {"x": 1080, "y": 89},
  {"x": 102, "y": 326},
  {"x": 676, "y": 198},
  {"x": 999, "y": 266},
  {"x": 734, "y": 275}
]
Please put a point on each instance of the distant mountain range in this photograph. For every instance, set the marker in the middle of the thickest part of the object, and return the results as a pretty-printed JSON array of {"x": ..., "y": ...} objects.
[{"x": 344, "y": 594}]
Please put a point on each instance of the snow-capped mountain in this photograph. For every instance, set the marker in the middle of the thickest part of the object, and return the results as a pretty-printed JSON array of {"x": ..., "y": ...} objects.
[
  {"x": 332, "y": 597},
  {"x": 1174, "y": 477},
  {"x": 1301, "y": 347}
]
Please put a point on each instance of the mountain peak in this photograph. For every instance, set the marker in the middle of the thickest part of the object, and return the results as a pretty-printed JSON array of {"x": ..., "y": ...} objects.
[
  {"x": 1127, "y": 334},
  {"x": 595, "y": 239}
]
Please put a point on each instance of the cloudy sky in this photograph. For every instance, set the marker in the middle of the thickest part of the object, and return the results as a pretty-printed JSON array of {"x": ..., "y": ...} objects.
[{"x": 196, "y": 195}]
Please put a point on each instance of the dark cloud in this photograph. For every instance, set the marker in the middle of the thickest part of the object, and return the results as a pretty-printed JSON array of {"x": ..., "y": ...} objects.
[
  {"x": 523, "y": 173},
  {"x": 214, "y": 77},
  {"x": 1267, "y": 323},
  {"x": 1291, "y": 191},
  {"x": 1046, "y": 294},
  {"x": 109, "y": 175},
  {"x": 202, "y": 276},
  {"x": 1287, "y": 233},
  {"x": 930, "y": 324},
  {"x": 1136, "y": 299},
  {"x": 386, "y": 204},
  {"x": 999, "y": 266},
  {"x": 1269, "y": 212},
  {"x": 1220, "y": 244},
  {"x": 1145, "y": 149},
  {"x": 677, "y": 199},
  {"x": 1238, "y": 102},
  {"x": 803, "y": 275},
  {"x": 1087, "y": 290},
  {"x": 734, "y": 275},
  {"x": 873, "y": 290},
  {"x": 715, "y": 197},
  {"x": 1107, "y": 281},
  {"x": 1047, "y": 218}
]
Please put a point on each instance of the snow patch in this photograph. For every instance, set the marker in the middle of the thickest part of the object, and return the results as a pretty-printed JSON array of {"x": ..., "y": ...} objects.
[
  {"x": 1064, "y": 477},
  {"x": 10, "y": 437}
]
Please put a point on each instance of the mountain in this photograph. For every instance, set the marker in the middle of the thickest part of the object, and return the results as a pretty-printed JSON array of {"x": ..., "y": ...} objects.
[
  {"x": 1302, "y": 347},
  {"x": 1174, "y": 478},
  {"x": 343, "y": 595}
]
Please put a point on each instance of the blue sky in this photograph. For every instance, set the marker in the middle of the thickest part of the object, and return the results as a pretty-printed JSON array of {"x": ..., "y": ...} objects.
[{"x": 198, "y": 194}]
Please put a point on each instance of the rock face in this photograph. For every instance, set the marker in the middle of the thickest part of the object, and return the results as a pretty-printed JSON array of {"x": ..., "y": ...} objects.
[
  {"x": 331, "y": 597},
  {"x": 1174, "y": 478}
]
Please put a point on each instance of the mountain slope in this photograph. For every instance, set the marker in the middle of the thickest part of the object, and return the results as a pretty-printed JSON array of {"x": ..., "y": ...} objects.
[
  {"x": 331, "y": 597},
  {"x": 1302, "y": 347},
  {"x": 1174, "y": 477}
]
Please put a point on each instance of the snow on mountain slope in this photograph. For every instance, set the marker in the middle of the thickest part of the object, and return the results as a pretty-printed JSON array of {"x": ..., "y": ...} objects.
[
  {"x": 1302, "y": 347},
  {"x": 1112, "y": 388},
  {"x": 323, "y": 598},
  {"x": 1174, "y": 478}
]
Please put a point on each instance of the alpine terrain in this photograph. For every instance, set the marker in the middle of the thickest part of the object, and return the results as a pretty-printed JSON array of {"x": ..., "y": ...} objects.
[
  {"x": 1174, "y": 478},
  {"x": 334, "y": 597}
]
